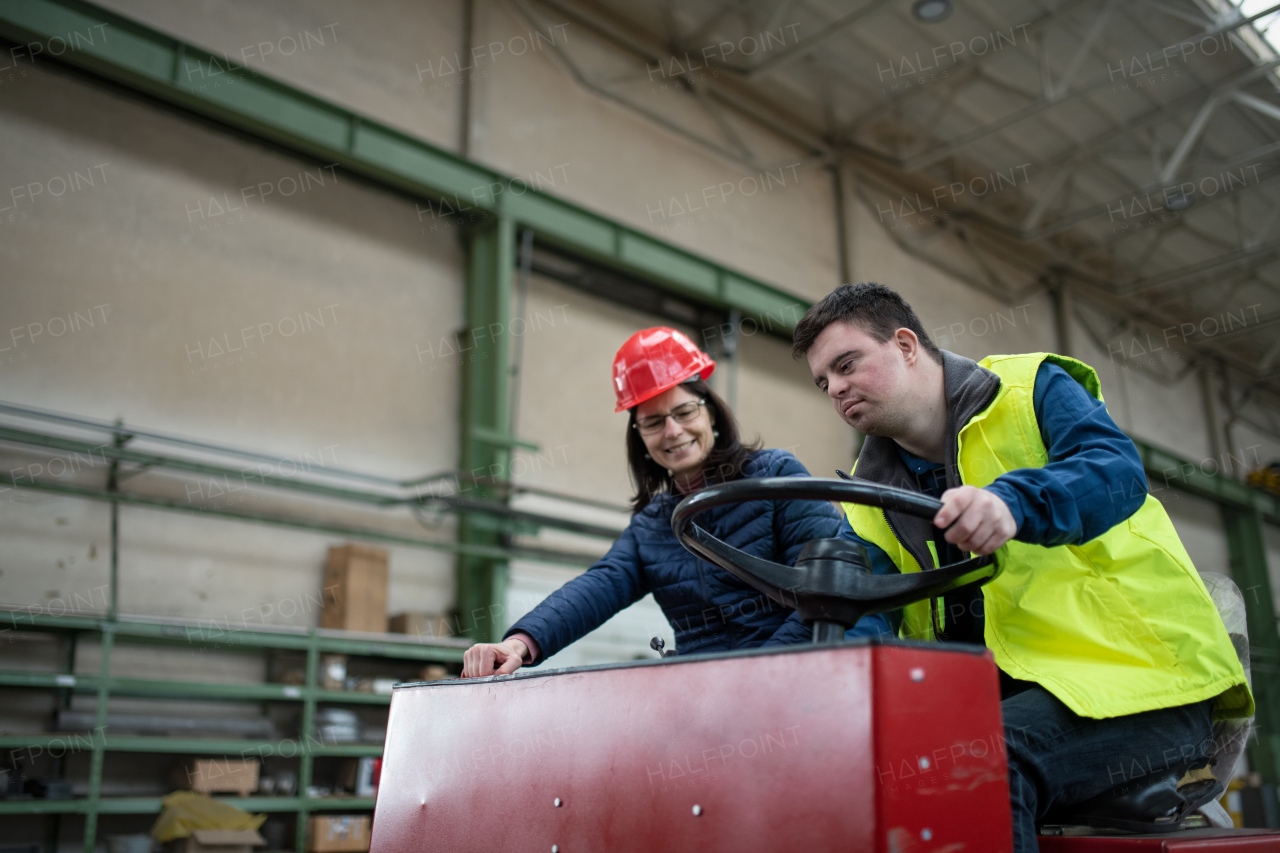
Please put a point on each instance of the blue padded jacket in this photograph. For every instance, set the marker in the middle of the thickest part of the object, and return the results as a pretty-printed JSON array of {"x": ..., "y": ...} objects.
[{"x": 710, "y": 609}]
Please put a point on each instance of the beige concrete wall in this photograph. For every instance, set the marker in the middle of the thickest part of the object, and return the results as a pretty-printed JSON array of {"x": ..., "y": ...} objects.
[
  {"x": 627, "y": 167},
  {"x": 778, "y": 402},
  {"x": 566, "y": 392},
  {"x": 144, "y": 245},
  {"x": 397, "y": 62},
  {"x": 382, "y": 59},
  {"x": 240, "y": 326},
  {"x": 958, "y": 318},
  {"x": 294, "y": 326},
  {"x": 1250, "y": 448}
]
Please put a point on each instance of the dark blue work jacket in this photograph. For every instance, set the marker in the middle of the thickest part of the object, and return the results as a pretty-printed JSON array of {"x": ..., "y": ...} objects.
[{"x": 710, "y": 609}]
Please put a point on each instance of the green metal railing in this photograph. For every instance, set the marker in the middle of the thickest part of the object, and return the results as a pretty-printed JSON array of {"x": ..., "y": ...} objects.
[
  {"x": 122, "y": 464},
  {"x": 199, "y": 635},
  {"x": 486, "y": 497}
]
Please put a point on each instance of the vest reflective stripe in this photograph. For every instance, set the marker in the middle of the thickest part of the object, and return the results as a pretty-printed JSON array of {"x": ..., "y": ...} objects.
[{"x": 1116, "y": 626}]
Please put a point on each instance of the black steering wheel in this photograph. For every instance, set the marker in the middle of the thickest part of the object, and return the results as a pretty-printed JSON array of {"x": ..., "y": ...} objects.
[{"x": 831, "y": 585}]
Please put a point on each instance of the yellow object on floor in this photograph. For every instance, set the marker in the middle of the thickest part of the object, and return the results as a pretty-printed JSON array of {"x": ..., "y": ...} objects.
[{"x": 186, "y": 811}]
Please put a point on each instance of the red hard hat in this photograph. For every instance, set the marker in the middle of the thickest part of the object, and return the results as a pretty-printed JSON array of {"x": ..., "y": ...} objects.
[{"x": 654, "y": 360}]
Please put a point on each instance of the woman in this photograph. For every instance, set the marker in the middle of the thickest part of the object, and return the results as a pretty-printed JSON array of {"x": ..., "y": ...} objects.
[{"x": 681, "y": 436}]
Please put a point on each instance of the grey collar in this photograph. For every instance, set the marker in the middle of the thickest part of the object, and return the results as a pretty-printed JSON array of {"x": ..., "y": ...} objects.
[{"x": 969, "y": 389}]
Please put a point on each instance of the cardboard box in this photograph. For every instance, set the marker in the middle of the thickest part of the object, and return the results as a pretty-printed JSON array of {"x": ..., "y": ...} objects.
[
  {"x": 338, "y": 834},
  {"x": 425, "y": 625},
  {"x": 221, "y": 841},
  {"x": 218, "y": 775},
  {"x": 355, "y": 589}
]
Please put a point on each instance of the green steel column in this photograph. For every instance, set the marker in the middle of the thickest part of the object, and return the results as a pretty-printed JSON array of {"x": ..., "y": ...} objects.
[
  {"x": 98, "y": 756},
  {"x": 1248, "y": 556},
  {"x": 113, "y": 485},
  {"x": 485, "y": 451},
  {"x": 307, "y": 729}
]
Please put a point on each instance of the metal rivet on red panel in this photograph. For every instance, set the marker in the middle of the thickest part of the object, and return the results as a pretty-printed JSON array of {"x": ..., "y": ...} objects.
[
  {"x": 697, "y": 810},
  {"x": 926, "y": 834},
  {"x": 559, "y": 802},
  {"x": 917, "y": 673},
  {"x": 924, "y": 763}
]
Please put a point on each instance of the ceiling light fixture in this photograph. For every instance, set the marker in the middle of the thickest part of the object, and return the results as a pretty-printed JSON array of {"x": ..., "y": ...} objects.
[{"x": 931, "y": 11}]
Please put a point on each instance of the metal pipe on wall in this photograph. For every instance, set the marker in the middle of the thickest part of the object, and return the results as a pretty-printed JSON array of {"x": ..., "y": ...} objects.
[
  {"x": 464, "y": 87},
  {"x": 842, "y": 222},
  {"x": 1210, "y": 411},
  {"x": 522, "y": 302},
  {"x": 1063, "y": 310}
]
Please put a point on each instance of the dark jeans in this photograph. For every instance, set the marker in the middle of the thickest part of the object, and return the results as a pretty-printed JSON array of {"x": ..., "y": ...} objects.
[{"x": 1058, "y": 759}]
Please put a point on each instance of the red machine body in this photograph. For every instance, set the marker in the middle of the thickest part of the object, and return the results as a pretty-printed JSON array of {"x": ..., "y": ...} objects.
[{"x": 868, "y": 747}]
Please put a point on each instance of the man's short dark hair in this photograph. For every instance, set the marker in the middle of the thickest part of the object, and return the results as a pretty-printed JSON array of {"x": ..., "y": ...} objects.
[{"x": 874, "y": 308}]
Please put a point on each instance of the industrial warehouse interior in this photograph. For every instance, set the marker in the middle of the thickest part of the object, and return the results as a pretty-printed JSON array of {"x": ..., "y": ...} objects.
[{"x": 325, "y": 382}]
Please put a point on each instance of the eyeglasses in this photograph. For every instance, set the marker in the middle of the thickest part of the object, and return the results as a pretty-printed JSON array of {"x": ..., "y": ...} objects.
[{"x": 681, "y": 414}]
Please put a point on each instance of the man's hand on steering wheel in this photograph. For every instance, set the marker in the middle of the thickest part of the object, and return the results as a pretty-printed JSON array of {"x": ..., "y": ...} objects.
[
  {"x": 494, "y": 658},
  {"x": 979, "y": 521}
]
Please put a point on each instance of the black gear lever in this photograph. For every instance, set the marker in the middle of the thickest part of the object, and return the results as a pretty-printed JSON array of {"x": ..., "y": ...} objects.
[
  {"x": 659, "y": 645},
  {"x": 831, "y": 585}
]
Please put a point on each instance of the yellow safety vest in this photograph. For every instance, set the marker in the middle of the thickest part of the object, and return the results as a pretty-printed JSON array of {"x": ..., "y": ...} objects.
[{"x": 1116, "y": 626}]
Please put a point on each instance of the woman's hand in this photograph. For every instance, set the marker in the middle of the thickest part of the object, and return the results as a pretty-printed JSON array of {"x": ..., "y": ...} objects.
[{"x": 494, "y": 658}]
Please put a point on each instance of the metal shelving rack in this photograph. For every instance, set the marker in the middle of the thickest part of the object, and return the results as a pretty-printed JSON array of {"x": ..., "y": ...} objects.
[
  {"x": 309, "y": 695},
  {"x": 117, "y": 446}
]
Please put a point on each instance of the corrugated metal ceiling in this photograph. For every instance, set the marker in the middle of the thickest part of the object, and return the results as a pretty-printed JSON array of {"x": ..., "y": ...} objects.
[{"x": 1124, "y": 150}]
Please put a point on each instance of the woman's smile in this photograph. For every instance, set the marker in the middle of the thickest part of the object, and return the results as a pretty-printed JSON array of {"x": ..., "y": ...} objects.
[{"x": 680, "y": 448}]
